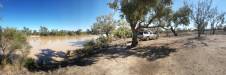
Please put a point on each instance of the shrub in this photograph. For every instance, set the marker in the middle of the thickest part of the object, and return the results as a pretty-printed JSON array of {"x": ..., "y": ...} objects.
[
  {"x": 13, "y": 46},
  {"x": 90, "y": 44},
  {"x": 122, "y": 32},
  {"x": 94, "y": 46},
  {"x": 30, "y": 64},
  {"x": 102, "y": 42}
]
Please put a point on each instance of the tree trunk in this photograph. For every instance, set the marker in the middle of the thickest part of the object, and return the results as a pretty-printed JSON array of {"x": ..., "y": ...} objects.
[
  {"x": 213, "y": 31},
  {"x": 199, "y": 33},
  {"x": 134, "y": 37},
  {"x": 174, "y": 32},
  {"x": 107, "y": 34},
  {"x": 199, "y": 30}
]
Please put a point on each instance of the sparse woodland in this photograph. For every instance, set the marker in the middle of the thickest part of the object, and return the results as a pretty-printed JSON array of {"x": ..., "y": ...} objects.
[{"x": 118, "y": 47}]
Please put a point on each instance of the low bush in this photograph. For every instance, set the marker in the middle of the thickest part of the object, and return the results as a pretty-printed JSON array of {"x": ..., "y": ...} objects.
[
  {"x": 13, "y": 45},
  {"x": 122, "y": 32},
  {"x": 94, "y": 46},
  {"x": 30, "y": 64}
]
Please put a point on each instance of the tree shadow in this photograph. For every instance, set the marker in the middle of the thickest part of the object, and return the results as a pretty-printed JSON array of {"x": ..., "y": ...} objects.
[
  {"x": 150, "y": 53},
  {"x": 155, "y": 52},
  {"x": 51, "y": 60},
  {"x": 46, "y": 62}
]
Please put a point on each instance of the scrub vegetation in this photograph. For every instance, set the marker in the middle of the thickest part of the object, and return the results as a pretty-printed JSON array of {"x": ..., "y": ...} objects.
[{"x": 179, "y": 50}]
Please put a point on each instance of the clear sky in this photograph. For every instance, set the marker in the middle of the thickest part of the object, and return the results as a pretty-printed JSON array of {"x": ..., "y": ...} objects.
[{"x": 62, "y": 14}]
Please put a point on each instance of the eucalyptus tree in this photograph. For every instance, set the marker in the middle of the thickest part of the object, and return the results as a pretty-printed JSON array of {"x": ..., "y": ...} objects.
[
  {"x": 181, "y": 17},
  {"x": 78, "y": 32},
  {"x": 216, "y": 19},
  {"x": 139, "y": 13},
  {"x": 201, "y": 14},
  {"x": 43, "y": 31},
  {"x": 27, "y": 31},
  {"x": 104, "y": 25}
]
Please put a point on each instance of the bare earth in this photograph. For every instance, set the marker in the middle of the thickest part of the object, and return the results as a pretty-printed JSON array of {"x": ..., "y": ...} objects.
[
  {"x": 191, "y": 57},
  {"x": 164, "y": 56},
  {"x": 57, "y": 43}
]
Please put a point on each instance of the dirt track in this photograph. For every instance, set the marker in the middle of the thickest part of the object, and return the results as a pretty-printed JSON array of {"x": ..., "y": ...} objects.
[{"x": 192, "y": 57}]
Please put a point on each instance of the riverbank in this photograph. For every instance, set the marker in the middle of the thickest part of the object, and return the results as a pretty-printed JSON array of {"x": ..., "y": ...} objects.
[
  {"x": 56, "y": 43},
  {"x": 164, "y": 56}
]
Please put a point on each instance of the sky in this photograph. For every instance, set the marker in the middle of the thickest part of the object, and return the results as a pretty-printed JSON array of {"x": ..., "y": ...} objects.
[{"x": 62, "y": 14}]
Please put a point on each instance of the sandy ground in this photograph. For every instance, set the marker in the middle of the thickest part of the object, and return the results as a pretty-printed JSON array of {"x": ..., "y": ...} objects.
[
  {"x": 57, "y": 43},
  {"x": 191, "y": 57},
  {"x": 164, "y": 56}
]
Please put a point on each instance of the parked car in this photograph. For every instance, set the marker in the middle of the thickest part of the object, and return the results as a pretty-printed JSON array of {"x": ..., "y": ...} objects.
[{"x": 147, "y": 35}]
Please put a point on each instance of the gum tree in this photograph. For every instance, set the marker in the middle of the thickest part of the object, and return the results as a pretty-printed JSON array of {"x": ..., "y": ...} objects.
[
  {"x": 181, "y": 17},
  {"x": 104, "y": 25},
  {"x": 139, "y": 13},
  {"x": 201, "y": 14},
  {"x": 44, "y": 31},
  {"x": 216, "y": 19}
]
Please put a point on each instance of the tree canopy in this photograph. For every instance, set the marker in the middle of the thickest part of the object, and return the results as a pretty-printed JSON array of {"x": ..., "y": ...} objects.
[
  {"x": 104, "y": 25},
  {"x": 140, "y": 12}
]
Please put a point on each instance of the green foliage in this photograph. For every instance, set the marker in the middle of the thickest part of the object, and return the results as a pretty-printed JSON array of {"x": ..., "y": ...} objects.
[
  {"x": 140, "y": 12},
  {"x": 101, "y": 42},
  {"x": 104, "y": 25},
  {"x": 182, "y": 16},
  {"x": 88, "y": 31},
  {"x": 78, "y": 32},
  {"x": 13, "y": 41},
  {"x": 30, "y": 64},
  {"x": 43, "y": 31},
  {"x": 27, "y": 31},
  {"x": 35, "y": 32},
  {"x": 89, "y": 45},
  {"x": 123, "y": 30},
  {"x": 133, "y": 10},
  {"x": 94, "y": 46}
]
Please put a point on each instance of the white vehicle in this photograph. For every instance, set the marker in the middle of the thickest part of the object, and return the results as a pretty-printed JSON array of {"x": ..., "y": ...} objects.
[{"x": 147, "y": 35}]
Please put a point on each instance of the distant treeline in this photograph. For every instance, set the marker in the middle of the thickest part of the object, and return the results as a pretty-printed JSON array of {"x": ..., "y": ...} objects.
[{"x": 44, "y": 31}]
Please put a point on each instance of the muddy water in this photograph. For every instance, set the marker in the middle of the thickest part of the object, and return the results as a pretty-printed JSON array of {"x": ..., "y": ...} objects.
[{"x": 57, "y": 43}]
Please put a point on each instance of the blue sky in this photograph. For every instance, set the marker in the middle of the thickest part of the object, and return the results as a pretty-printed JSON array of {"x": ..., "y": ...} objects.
[{"x": 61, "y": 14}]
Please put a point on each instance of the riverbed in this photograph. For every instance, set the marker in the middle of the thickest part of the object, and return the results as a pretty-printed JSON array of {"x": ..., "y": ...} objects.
[{"x": 57, "y": 43}]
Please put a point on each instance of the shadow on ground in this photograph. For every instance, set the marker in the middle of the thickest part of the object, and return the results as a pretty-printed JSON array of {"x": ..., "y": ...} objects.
[
  {"x": 46, "y": 62},
  {"x": 150, "y": 53},
  {"x": 51, "y": 60}
]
